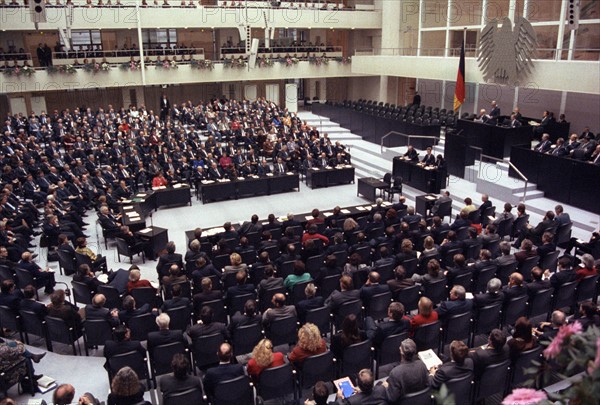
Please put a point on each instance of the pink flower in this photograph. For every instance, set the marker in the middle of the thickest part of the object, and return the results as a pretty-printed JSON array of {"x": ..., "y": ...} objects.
[
  {"x": 564, "y": 332},
  {"x": 524, "y": 396}
]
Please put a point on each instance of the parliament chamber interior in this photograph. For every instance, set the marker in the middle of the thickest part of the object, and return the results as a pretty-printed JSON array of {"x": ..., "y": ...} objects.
[{"x": 299, "y": 202}]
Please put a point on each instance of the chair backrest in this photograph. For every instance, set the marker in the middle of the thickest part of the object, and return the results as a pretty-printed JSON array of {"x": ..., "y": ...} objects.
[
  {"x": 190, "y": 396},
  {"x": 457, "y": 327},
  {"x": 9, "y": 319},
  {"x": 298, "y": 291},
  {"x": 541, "y": 303},
  {"x": 314, "y": 263},
  {"x": 329, "y": 285},
  {"x": 449, "y": 257},
  {"x": 461, "y": 389},
  {"x": 388, "y": 352},
  {"x": 24, "y": 278},
  {"x": 319, "y": 367},
  {"x": 236, "y": 391},
  {"x": 492, "y": 380},
  {"x": 113, "y": 298},
  {"x": 472, "y": 252},
  {"x": 462, "y": 233},
  {"x": 519, "y": 223},
  {"x": 436, "y": 291},
  {"x": 219, "y": 312},
  {"x": 428, "y": 336},
  {"x": 444, "y": 210},
  {"x": 409, "y": 297},
  {"x": 514, "y": 309},
  {"x": 97, "y": 332},
  {"x": 563, "y": 235},
  {"x": 181, "y": 317},
  {"x": 66, "y": 261},
  {"x": 505, "y": 227},
  {"x": 123, "y": 247},
  {"x": 347, "y": 308},
  {"x": 186, "y": 289},
  {"x": 283, "y": 331},
  {"x": 523, "y": 362},
  {"x": 564, "y": 296},
  {"x": 484, "y": 275},
  {"x": 205, "y": 348},
  {"x": 504, "y": 271},
  {"x": 220, "y": 261},
  {"x": 285, "y": 269},
  {"x": 144, "y": 295},
  {"x": 587, "y": 289},
  {"x": 83, "y": 259},
  {"x": 356, "y": 357},
  {"x": 487, "y": 318},
  {"x": 378, "y": 305},
  {"x": 132, "y": 359},
  {"x": 32, "y": 324},
  {"x": 81, "y": 292},
  {"x": 141, "y": 325},
  {"x": 493, "y": 247},
  {"x": 386, "y": 272},
  {"x": 245, "y": 338},
  {"x": 465, "y": 279},
  {"x": 248, "y": 257},
  {"x": 550, "y": 261},
  {"x": 237, "y": 302},
  {"x": 410, "y": 266},
  {"x": 277, "y": 382},
  {"x": 319, "y": 317},
  {"x": 162, "y": 355},
  {"x": 422, "y": 397}
]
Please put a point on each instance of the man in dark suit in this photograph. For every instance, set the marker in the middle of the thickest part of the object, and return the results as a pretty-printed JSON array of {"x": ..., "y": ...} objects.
[
  {"x": 9, "y": 296},
  {"x": 206, "y": 326},
  {"x": 544, "y": 145},
  {"x": 176, "y": 301},
  {"x": 311, "y": 302},
  {"x": 165, "y": 261},
  {"x": 241, "y": 288},
  {"x": 445, "y": 197},
  {"x": 535, "y": 234},
  {"x": 179, "y": 381},
  {"x": 96, "y": 310},
  {"x": 459, "y": 367},
  {"x": 458, "y": 304},
  {"x": 107, "y": 220},
  {"x": 458, "y": 269},
  {"x": 164, "y": 335},
  {"x": 43, "y": 278},
  {"x": 207, "y": 293},
  {"x": 30, "y": 304},
  {"x": 224, "y": 371},
  {"x": 495, "y": 352},
  {"x": 347, "y": 293},
  {"x": 429, "y": 158},
  {"x": 561, "y": 218},
  {"x": 396, "y": 323},
  {"x": 492, "y": 296},
  {"x": 367, "y": 394},
  {"x": 165, "y": 107},
  {"x": 129, "y": 309},
  {"x": 515, "y": 287},
  {"x": 122, "y": 344},
  {"x": 411, "y": 154},
  {"x": 371, "y": 288},
  {"x": 537, "y": 282},
  {"x": 564, "y": 273},
  {"x": 408, "y": 377}
]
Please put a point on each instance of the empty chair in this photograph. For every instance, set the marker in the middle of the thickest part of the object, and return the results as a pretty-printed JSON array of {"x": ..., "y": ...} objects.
[
  {"x": 145, "y": 295},
  {"x": 113, "y": 298},
  {"x": 457, "y": 327},
  {"x": 587, "y": 289},
  {"x": 523, "y": 362},
  {"x": 484, "y": 275},
  {"x": 540, "y": 303},
  {"x": 123, "y": 249},
  {"x": 10, "y": 320},
  {"x": 66, "y": 262},
  {"x": 319, "y": 317},
  {"x": 82, "y": 293},
  {"x": 33, "y": 325},
  {"x": 378, "y": 305},
  {"x": 550, "y": 261},
  {"x": 181, "y": 317},
  {"x": 486, "y": 319},
  {"x": 436, "y": 291},
  {"x": 504, "y": 271}
]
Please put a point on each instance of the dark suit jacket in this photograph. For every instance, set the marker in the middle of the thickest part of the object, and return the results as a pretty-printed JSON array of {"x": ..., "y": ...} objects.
[
  {"x": 170, "y": 385},
  {"x": 112, "y": 348},
  {"x": 198, "y": 330},
  {"x": 302, "y": 307},
  {"x": 388, "y": 328},
  {"x": 485, "y": 357},
  {"x": 34, "y": 306},
  {"x": 222, "y": 372},
  {"x": 337, "y": 298},
  {"x": 375, "y": 397},
  {"x": 449, "y": 371},
  {"x": 449, "y": 308},
  {"x": 485, "y": 299},
  {"x": 92, "y": 312},
  {"x": 561, "y": 277},
  {"x": 11, "y": 300},
  {"x": 368, "y": 291},
  {"x": 163, "y": 337}
]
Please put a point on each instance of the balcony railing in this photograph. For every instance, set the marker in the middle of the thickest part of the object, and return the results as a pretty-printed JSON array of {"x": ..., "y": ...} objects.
[
  {"x": 180, "y": 55},
  {"x": 282, "y": 51},
  {"x": 541, "y": 53}
]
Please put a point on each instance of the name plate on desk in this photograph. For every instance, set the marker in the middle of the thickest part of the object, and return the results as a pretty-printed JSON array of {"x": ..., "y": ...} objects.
[
  {"x": 430, "y": 198},
  {"x": 145, "y": 230}
]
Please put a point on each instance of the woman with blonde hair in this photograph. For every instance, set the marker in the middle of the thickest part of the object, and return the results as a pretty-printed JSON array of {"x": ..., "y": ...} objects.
[
  {"x": 236, "y": 264},
  {"x": 126, "y": 389},
  {"x": 263, "y": 358},
  {"x": 425, "y": 316},
  {"x": 310, "y": 343}
]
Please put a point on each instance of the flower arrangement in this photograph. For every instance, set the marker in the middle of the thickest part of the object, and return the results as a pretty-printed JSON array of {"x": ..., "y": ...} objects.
[
  {"x": 131, "y": 65},
  {"x": 104, "y": 66},
  {"x": 343, "y": 60},
  {"x": 318, "y": 60},
  {"x": 19, "y": 70},
  {"x": 265, "y": 62},
  {"x": 166, "y": 64},
  {"x": 570, "y": 352},
  {"x": 202, "y": 64},
  {"x": 234, "y": 63},
  {"x": 93, "y": 67},
  {"x": 289, "y": 61}
]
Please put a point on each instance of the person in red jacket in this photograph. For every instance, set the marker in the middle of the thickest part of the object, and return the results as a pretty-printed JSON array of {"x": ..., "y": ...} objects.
[{"x": 263, "y": 358}]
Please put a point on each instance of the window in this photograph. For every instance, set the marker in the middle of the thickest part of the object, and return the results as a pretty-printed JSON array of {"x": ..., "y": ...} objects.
[
  {"x": 84, "y": 38},
  {"x": 159, "y": 38}
]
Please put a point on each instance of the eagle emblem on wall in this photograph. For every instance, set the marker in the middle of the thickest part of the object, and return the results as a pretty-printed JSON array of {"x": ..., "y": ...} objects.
[{"x": 504, "y": 54}]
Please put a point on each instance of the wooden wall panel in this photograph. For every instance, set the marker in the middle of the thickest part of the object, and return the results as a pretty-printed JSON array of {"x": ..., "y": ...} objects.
[
  {"x": 60, "y": 100},
  {"x": 337, "y": 89}
]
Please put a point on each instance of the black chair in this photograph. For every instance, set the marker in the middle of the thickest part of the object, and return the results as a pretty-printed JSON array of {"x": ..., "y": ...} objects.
[
  {"x": 388, "y": 352},
  {"x": 462, "y": 233},
  {"x": 113, "y": 298},
  {"x": 493, "y": 247},
  {"x": 519, "y": 225},
  {"x": 314, "y": 263},
  {"x": 428, "y": 336},
  {"x": 186, "y": 289},
  {"x": 461, "y": 389},
  {"x": 487, "y": 213},
  {"x": 248, "y": 257},
  {"x": 486, "y": 319},
  {"x": 422, "y": 397},
  {"x": 484, "y": 275},
  {"x": 33, "y": 325},
  {"x": 237, "y": 303},
  {"x": 587, "y": 289},
  {"x": 396, "y": 188},
  {"x": 564, "y": 296},
  {"x": 492, "y": 381},
  {"x": 181, "y": 317},
  {"x": 541, "y": 303},
  {"x": 109, "y": 234},
  {"x": 278, "y": 382},
  {"x": 191, "y": 396},
  {"x": 457, "y": 327},
  {"x": 319, "y": 317},
  {"x": 504, "y": 271},
  {"x": 161, "y": 357},
  {"x": 145, "y": 295},
  {"x": 204, "y": 350},
  {"x": 24, "y": 278},
  {"x": 563, "y": 235},
  {"x": 283, "y": 331},
  {"x": 66, "y": 262},
  {"x": 328, "y": 285},
  {"x": 96, "y": 332},
  {"x": 378, "y": 305},
  {"x": 386, "y": 272},
  {"x": 141, "y": 325},
  {"x": 320, "y": 367},
  {"x": 297, "y": 293},
  {"x": 523, "y": 362},
  {"x": 387, "y": 179},
  {"x": 266, "y": 296},
  {"x": 285, "y": 269},
  {"x": 347, "y": 308},
  {"x": 444, "y": 210},
  {"x": 132, "y": 359},
  {"x": 409, "y": 297},
  {"x": 466, "y": 280},
  {"x": 236, "y": 391},
  {"x": 83, "y": 259},
  {"x": 82, "y": 293},
  {"x": 245, "y": 338},
  {"x": 219, "y": 310},
  {"x": 6, "y": 273},
  {"x": 410, "y": 266},
  {"x": 436, "y": 291},
  {"x": 472, "y": 252},
  {"x": 123, "y": 249},
  {"x": 9, "y": 319},
  {"x": 449, "y": 257},
  {"x": 58, "y": 331},
  {"x": 356, "y": 357},
  {"x": 221, "y": 261},
  {"x": 514, "y": 309},
  {"x": 550, "y": 261}
]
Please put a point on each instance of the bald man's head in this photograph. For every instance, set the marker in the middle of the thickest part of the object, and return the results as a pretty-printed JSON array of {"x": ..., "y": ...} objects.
[{"x": 64, "y": 394}]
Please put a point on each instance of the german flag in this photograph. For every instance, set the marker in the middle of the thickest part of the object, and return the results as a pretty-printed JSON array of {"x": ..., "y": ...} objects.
[{"x": 459, "y": 93}]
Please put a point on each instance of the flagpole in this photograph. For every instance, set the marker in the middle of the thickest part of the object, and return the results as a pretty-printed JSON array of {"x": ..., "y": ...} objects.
[{"x": 464, "y": 46}]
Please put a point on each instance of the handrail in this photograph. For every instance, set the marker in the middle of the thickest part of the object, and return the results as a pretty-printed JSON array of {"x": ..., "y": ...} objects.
[
  {"x": 407, "y": 136},
  {"x": 521, "y": 175}
]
